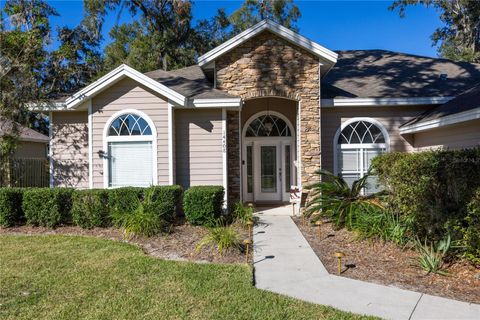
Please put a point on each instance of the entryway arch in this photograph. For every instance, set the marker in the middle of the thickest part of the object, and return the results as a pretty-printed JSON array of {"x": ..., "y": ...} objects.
[{"x": 268, "y": 140}]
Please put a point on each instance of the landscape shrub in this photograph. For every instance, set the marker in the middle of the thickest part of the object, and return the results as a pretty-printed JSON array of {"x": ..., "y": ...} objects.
[
  {"x": 165, "y": 201},
  {"x": 203, "y": 204},
  {"x": 47, "y": 207},
  {"x": 11, "y": 211},
  {"x": 142, "y": 222},
  {"x": 90, "y": 208},
  {"x": 122, "y": 202},
  {"x": 242, "y": 214},
  {"x": 470, "y": 230},
  {"x": 222, "y": 236},
  {"x": 430, "y": 189},
  {"x": 382, "y": 224}
]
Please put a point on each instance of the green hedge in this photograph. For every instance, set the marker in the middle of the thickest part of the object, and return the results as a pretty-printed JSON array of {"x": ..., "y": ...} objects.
[
  {"x": 203, "y": 204},
  {"x": 123, "y": 201},
  {"x": 47, "y": 207},
  {"x": 470, "y": 230},
  {"x": 164, "y": 201},
  {"x": 11, "y": 211},
  {"x": 90, "y": 208},
  {"x": 430, "y": 189},
  {"x": 87, "y": 208}
]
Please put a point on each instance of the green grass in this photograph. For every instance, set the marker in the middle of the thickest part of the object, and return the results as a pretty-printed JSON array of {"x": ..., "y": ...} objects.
[{"x": 62, "y": 277}]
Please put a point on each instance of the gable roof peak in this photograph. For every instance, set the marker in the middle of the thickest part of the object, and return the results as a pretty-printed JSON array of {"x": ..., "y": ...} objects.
[{"x": 327, "y": 57}]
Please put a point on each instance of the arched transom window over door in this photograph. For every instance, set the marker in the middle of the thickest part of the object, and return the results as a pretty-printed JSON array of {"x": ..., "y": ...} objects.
[
  {"x": 130, "y": 139},
  {"x": 357, "y": 142},
  {"x": 268, "y": 125}
]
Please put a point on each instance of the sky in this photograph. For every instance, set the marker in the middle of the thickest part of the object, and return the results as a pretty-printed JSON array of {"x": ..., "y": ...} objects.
[{"x": 336, "y": 25}]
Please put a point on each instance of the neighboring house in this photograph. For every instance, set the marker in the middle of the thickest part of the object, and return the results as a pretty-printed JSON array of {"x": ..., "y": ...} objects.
[
  {"x": 31, "y": 144},
  {"x": 259, "y": 113},
  {"x": 29, "y": 166}
]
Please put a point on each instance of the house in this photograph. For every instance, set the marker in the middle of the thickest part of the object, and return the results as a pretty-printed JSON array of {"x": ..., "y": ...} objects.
[
  {"x": 260, "y": 113},
  {"x": 28, "y": 166},
  {"x": 31, "y": 144}
]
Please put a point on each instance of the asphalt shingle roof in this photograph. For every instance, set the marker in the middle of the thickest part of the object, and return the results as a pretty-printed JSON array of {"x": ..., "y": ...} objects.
[
  {"x": 387, "y": 74},
  {"x": 191, "y": 82},
  {"x": 24, "y": 134},
  {"x": 468, "y": 100}
]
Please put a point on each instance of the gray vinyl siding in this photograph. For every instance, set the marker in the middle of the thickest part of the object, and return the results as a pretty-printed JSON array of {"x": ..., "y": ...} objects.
[
  {"x": 70, "y": 149},
  {"x": 128, "y": 94},
  {"x": 198, "y": 147},
  {"x": 390, "y": 117}
]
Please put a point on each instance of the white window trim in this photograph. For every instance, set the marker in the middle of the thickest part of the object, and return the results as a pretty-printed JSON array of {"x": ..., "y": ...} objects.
[
  {"x": 150, "y": 138},
  {"x": 336, "y": 146}
]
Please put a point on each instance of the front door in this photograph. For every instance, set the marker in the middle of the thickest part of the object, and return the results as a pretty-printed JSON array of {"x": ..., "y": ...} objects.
[
  {"x": 272, "y": 162},
  {"x": 267, "y": 167}
]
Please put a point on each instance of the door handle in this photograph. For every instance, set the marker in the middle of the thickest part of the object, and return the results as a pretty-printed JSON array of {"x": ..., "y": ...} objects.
[{"x": 280, "y": 173}]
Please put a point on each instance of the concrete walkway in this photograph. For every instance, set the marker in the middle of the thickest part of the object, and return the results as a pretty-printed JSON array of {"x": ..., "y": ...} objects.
[{"x": 285, "y": 263}]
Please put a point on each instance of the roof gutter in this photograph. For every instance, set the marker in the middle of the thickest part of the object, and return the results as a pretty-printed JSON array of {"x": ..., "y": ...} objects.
[
  {"x": 455, "y": 118},
  {"x": 216, "y": 103},
  {"x": 383, "y": 102}
]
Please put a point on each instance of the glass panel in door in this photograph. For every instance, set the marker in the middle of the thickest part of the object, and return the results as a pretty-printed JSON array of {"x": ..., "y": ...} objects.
[
  {"x": 268, "y": 169},
  {"x": 288, "y": 170}
]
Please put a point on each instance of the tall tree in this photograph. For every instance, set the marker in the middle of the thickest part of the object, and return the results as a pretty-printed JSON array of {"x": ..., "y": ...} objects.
[
  {"x": 284, "y": 12},
  {"x": 24, "y": 32},
  {"x": 212, "y": 32},
  {"x": 159, "y": 39},
  {"x": 459, "y": 38}
]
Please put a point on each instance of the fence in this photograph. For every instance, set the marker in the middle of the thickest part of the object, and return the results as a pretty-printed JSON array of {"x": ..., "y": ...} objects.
[{"x": 27, "y": 172}]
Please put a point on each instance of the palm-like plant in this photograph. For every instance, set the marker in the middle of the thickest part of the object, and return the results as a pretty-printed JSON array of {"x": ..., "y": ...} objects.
[{"x": 333, "y": 197}]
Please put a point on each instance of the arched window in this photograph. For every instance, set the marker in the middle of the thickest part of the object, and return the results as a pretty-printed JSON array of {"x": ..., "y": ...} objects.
[
  {"x": 131, "y": 156},
  {"x": 129, "y": 125},
  {"x": 268, "y": 125},
  {"x": 357, "y": 142}
]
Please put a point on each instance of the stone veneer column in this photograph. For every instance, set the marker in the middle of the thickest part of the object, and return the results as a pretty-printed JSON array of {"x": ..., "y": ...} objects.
[
  {"x": 267, "y": 65},
  {"x": 233, "y": 156}
]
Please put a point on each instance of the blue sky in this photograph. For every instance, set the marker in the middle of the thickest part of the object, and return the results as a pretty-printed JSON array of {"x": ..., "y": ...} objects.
[{"x": 337, "y": 25}]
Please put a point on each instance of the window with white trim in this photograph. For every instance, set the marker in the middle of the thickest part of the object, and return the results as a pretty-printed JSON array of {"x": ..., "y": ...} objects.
[
  {"x": 358, "y": 143},
  {"x": 130, "y": 151}
]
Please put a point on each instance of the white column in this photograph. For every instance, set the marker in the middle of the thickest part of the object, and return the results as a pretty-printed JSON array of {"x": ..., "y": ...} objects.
[
  {"x": 171, "y": 179},
  {"x": 224, "y": 155},
  {"x": 50, "y": 148},
  {"x": 90, "y": 144}
]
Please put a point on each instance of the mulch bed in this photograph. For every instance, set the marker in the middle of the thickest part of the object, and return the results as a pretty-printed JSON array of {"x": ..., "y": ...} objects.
[
  {"x": 388, "y": 264},
  {"x": 179, "y": 244}
]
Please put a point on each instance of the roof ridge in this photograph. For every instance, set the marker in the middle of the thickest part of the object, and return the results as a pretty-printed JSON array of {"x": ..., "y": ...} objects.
[{"x": 408, "y": 54}]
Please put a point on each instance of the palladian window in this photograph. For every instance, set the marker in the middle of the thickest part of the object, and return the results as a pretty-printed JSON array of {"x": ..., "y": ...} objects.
[
  {"x": 357, "y": 144},
  {"x": 130, "y": 143}
]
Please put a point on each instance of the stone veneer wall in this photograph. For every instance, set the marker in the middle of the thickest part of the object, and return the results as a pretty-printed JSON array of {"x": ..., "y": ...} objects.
[
  {"x": 233, "y": 156},
  {"x": 267, "y": 65}
]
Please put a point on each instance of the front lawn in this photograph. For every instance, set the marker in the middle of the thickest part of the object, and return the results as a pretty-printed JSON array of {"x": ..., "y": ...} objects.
[{"x": 66, "y": 277}]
